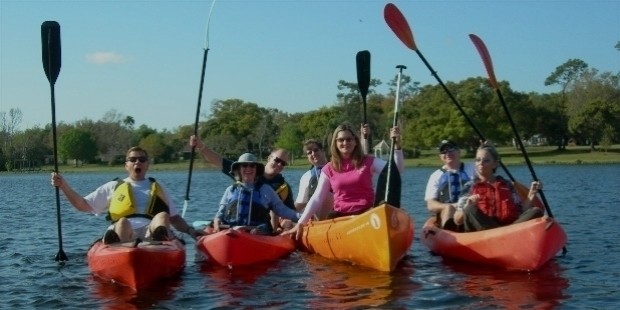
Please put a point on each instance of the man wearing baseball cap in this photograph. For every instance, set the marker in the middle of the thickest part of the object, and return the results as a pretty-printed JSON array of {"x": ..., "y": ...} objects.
[{"x": 445, "y": 184}]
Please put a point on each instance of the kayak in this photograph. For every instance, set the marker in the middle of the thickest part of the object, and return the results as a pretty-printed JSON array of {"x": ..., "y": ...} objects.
[
  {"x": 235, "y": 247},
  {"x": 137, "y": 266},
  {"x": 523, "y": 246},
  {"x": 378, "y": 238}
]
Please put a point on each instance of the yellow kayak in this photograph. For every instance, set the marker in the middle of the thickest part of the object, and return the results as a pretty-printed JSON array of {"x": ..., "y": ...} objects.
[{"x": 378, "y": 238}]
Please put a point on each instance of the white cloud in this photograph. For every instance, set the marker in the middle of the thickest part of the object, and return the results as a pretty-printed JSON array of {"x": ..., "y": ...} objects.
[{"x": 102, "y": 58}]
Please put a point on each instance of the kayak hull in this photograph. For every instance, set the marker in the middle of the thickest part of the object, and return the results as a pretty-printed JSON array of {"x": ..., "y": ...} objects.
[
  {"x": 522, "y": 246},
  {"x": 137, "y": 267},
  {"x": 378, "y": 238},
  {"x": 232, "y": 247}
]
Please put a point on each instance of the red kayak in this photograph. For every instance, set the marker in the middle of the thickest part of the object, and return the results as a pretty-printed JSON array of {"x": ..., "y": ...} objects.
[
  {"x": 522, "y": 246},
  {"x": 232, "y": 247},
  {"x": 137, "y": 267}
]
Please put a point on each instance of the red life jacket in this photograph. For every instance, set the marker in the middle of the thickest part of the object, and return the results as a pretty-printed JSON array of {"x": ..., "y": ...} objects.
[{"x": 497, "y": 200}]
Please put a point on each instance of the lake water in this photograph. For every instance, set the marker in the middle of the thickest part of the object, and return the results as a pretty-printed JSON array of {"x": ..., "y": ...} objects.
[{"x": 584, "y": 199}]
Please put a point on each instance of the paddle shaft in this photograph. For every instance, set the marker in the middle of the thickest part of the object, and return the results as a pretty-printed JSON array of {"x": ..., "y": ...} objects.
[
  {"x": 191, "y": 156},
  {"x": 391, "y": 163},
  {"x": 200, "y": 90},
  {"x": 51, "y": 52},
  {"x": 400, "y": 27}
]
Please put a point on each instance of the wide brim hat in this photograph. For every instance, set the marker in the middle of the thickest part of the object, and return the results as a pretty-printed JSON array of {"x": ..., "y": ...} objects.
[
  {"x": 248, "y": 158},
  {"x": 447, "y": 144}
]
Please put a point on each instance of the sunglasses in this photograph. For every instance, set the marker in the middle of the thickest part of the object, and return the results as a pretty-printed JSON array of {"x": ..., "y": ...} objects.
[
  {"x": 141, "y": 159},
  {"x": 446, "y": 151},
  {"x": 314, "y": 150},
  {"x": 248, "y": 165},
  {"x": 348, "y": 140},
  {"x": 279, "y": 161}
]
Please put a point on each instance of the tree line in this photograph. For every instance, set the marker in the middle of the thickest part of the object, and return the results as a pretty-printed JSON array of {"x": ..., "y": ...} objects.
[{"x": 586, "y": 111}]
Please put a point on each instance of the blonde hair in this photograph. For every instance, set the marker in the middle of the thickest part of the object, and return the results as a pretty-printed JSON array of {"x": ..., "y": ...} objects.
[{"x": 357, "y": 155}]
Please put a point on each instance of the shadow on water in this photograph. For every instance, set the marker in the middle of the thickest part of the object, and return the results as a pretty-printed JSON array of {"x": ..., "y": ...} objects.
[{"x": 493, "y": 287}]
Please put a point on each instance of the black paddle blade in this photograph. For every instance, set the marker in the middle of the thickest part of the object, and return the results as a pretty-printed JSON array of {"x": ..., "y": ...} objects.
[
  {"x": 362, "y": 60},
  {"x": 50, "y": 43},
  {"x": 389, "y": 181},
  {"x": 61, "y": 257}
]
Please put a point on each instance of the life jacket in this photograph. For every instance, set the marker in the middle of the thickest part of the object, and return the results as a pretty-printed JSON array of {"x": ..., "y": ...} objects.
[
  {"x": 245, "y": 207},
  {"x": 451, "y": 184},
  {"x": 123, "y": 205},
  {"x": 497, "y": 200},
  {"x": 282, "y": 189},
  {"x": 315, "y": 173}
]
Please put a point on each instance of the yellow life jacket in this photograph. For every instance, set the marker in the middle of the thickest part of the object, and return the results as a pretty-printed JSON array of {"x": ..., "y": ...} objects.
[{"x": 123, "y": 205}]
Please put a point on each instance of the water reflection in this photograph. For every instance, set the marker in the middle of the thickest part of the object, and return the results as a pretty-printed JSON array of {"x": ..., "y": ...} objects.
[
  {"x": 341, "y": 285},
  {"x": 543, "y": 289},
  {"x": 115, "y": 296}
]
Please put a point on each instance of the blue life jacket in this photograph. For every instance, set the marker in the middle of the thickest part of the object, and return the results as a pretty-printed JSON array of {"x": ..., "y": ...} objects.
[{"x": 451, "y": 184}]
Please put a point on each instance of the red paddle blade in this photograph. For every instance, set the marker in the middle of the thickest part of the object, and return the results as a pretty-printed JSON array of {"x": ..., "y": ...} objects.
[
  {"x": 486, "y": 59},
  {"x": 397, "y": 22}
]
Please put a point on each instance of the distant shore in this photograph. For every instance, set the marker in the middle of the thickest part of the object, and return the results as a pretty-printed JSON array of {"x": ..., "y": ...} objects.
[{"x": 544, "y": 155}]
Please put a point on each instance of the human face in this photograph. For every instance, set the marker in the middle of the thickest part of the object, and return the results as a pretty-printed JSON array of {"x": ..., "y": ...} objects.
[
  {"x": 485, "y": 164},
  {"x": 345, "y": 143},
  {"x": 136, "y": 165},
  {"x": 276, "y": 162},
  {"x": 316, "y": 156},
  {"x": 451, "y": 157},
  {"x": 248, "y": 172}
]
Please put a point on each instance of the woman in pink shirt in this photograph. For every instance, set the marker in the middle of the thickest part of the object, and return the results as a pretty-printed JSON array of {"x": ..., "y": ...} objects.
[{"x": 348, "y": 175}]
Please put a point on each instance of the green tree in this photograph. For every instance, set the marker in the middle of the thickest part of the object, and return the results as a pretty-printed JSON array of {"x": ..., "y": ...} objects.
[
  {"x": 77, "y": 144},
  {"x": 155, "y": 146}
]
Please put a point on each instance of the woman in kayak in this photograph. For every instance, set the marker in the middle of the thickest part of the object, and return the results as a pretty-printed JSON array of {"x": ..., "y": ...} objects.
[
  {"x": 491, "y": 201},
  {"x": 348, "y": 175},
  {"x": 248, "y": 201}
]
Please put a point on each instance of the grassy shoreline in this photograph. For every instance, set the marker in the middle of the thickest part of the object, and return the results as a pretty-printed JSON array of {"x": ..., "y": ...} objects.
[{"x": 546, "y": 155}]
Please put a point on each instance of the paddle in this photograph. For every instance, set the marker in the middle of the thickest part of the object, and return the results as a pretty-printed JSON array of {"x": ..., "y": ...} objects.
[
  {"x": 202, "y": 80},
  {"x": 486, "y": 59},
  {"x": 388, "y": 184},
  {"x": 362, "y": 60},
  {"x": 397, "y": 22},
  {"x": 50, "y": 42}
]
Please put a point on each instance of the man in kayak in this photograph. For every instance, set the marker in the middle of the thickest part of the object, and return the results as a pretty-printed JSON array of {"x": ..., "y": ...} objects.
[
  {"x": 490, "y": 201},
  {"x": 276, "y": 161},
  {"x": 446, "y": 184},
  {"x": 138, "y": 207},
  {"x": 310, "y": 179}
]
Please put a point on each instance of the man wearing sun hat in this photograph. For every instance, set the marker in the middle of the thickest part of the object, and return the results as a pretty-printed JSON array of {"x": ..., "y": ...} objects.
[{"x": 445, "y": 184}]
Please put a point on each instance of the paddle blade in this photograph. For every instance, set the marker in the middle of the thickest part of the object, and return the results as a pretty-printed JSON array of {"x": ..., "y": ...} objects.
[
  {"x": 362, "y": 60},
  {"x": 50, "y": 43},
  {"x": 397, "y": 22},
  {"x": 389, "y": 182},
  {"x": 486, "y": 58}
]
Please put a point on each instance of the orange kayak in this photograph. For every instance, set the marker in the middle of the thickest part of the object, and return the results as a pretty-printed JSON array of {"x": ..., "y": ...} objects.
[
  {"x": 137, "y": 267},
  {"x": 233, "y": 247},
  {"x": 378, "y": 238},
  {"x": 522, "y": 246}
]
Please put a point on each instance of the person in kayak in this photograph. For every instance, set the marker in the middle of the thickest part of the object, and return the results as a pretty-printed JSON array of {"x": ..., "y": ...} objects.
[
  {"x": 310, "y": 179},
  {"x": 490, "y": 201},
  {"x": 248, "y": 202},
  {"x": 276, "y": 162},
  {"x": 138, "y": 207},
  {"x": 348, "y": 175},
  {"x": 446, "y": 183}
]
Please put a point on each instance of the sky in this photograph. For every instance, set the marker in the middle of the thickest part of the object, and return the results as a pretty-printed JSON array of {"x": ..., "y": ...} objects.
[{"x": 143, "y": 58}]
